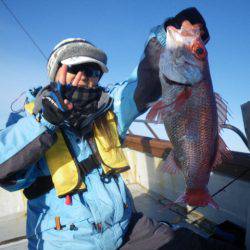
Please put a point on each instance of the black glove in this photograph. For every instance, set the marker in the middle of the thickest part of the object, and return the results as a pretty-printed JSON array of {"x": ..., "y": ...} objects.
[{"x": 53, "y": 108}]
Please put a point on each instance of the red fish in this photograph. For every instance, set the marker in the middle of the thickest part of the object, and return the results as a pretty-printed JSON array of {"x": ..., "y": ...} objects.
[{"x": 191, "y": 112}]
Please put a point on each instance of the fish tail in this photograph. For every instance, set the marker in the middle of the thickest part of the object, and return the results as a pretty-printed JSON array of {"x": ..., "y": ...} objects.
[{"x": 197, "y": 198}]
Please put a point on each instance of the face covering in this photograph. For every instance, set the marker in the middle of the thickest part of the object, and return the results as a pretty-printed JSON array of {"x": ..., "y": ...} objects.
[{"x": 85, "y": 102}]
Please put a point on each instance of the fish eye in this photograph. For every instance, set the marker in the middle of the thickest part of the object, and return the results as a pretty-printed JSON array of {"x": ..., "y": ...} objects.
[{"x": 199, "y": 51}]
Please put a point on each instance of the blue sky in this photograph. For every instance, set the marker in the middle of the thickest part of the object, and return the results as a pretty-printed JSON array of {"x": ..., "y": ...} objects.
[{"x": 121, "y": 28}]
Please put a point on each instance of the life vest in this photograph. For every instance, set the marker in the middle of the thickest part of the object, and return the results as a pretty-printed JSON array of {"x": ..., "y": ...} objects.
[{"x": 65, "y": 172}]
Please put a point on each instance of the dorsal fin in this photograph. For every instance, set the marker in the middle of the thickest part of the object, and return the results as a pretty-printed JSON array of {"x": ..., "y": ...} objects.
[
  {"x": 222, "y": 109},
  {"x": 223, "y": 151}
]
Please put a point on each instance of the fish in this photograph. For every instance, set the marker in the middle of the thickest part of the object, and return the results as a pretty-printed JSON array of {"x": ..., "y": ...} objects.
[{"x": 191, "y": 111}]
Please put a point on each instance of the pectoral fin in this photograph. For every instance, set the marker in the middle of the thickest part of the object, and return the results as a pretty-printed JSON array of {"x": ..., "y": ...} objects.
[{"x": 155, "y": 112}]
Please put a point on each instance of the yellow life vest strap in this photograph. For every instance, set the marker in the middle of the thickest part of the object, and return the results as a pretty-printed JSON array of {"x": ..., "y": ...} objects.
[
  {"x": 109, "y": 145},
  {"x": 65, "y": 173}
]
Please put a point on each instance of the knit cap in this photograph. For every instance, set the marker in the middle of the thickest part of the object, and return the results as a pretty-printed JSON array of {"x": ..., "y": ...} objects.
[{"x": 74, "y": 51}]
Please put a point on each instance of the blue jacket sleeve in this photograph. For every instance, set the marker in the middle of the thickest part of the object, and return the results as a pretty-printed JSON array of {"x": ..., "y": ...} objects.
[
  {"x": 133, "y": 96},
  {"x": 22, "y": 145},
  {"x": 124, "y": 105}
]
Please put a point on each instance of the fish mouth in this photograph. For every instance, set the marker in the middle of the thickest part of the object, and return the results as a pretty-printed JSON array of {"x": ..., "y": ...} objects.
[{"x": 171, "y": 82}]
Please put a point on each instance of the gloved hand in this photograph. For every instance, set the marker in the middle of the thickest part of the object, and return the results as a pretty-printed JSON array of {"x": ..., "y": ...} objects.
[
  {"x": 54, "y": 108},
  {"x": 69, "y": 103},
  {"x": 52, "y": 102}
]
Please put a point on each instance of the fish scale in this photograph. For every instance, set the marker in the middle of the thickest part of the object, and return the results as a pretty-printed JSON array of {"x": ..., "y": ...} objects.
[{"x": 199, "y": 130}]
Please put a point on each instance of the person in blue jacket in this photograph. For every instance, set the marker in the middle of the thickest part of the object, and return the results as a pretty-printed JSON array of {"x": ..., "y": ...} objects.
[
  {"x": 64, "y": 149},
  {"x": 57, "y": 152}
]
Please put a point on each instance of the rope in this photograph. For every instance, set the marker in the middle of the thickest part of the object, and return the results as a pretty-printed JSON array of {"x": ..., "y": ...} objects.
[
  {"x": 12, "y": 104},
  {"x": 24, "y": 30}
]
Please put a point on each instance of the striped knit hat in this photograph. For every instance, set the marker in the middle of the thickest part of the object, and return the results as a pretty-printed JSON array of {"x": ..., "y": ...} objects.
[{"x": 74, "y": 51}]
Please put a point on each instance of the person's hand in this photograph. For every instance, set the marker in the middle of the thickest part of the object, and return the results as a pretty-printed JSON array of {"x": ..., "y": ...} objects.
[
  {"x": 63, "y": 80},
  {"x": 62, "y": 104},
  {"x": 55, "y": 107}
]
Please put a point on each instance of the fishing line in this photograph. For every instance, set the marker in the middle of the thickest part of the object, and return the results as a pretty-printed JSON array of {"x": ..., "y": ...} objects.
[
  {"x": 184, "y": 216},
  {"x": 24, "y": 30},
  {"x": 220, "y": 190},
  {"x": 34, "y": 43}
]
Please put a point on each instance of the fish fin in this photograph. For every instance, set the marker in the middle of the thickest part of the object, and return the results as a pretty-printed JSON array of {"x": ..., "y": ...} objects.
[
  {"x": 222, "y": 110},
  {"x": 223, "y": 152},
  {"x": 158, "y": 112},
  {"x": 197, "y": 198},
  {"x": 155, "y": 112},
  {"x": 169, "y": 165}
]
